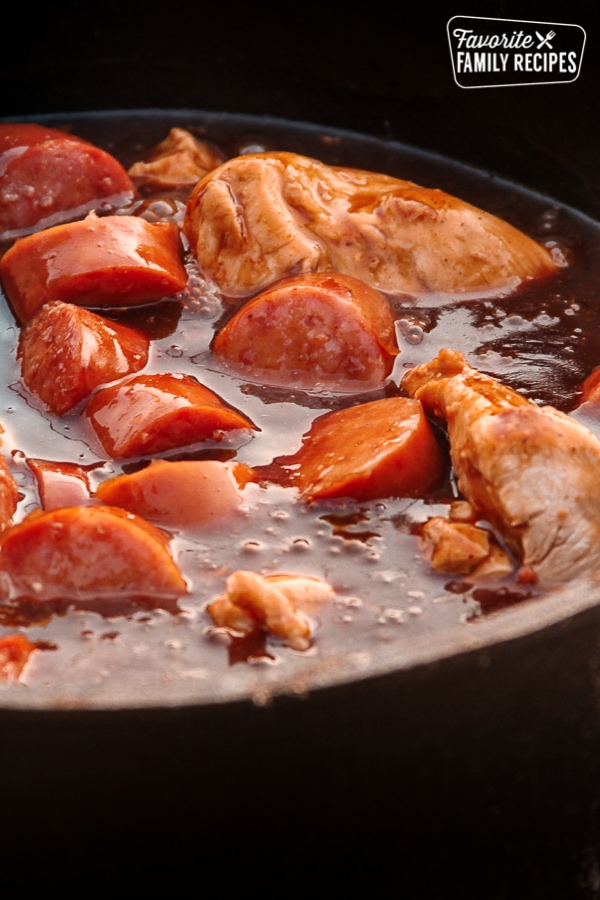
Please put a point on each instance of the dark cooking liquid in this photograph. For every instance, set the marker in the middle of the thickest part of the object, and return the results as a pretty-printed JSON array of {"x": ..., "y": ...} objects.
[{"x": 543, "y": 342}]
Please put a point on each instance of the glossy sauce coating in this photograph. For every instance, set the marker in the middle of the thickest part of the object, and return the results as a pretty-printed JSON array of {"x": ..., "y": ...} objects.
[
  {"x": 48, "y": 176},
  {"x": 88, "y": 555},
  {"x": 148, "y": 414},
  {"x": 100, "y": 262},
  {"x": 93, "y": 351},
  {"x": 260, "y": 217},
  {"x": 320, "y": 328},
  {"x": 381, "y": 449}
]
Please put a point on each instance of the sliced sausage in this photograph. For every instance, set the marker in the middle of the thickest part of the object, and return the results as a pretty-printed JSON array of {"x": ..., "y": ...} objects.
[
  {"x": 66, "y": 352},
  {"x": 48, "y": 176},
  {"x": 15, "y": 650},
  {"x": 9, "y": 492},
  {"x": 60, "y": 483},
  {"x": 113, "y": 261},
  {"x": 326, "y": 327},
  {"x": 590, "y": 389},
  {"x": 385, "y": 448},
  {"x": 78, "y": 554},
  {"x": 151, "y": 413},
  {"x": 181, "y": 494}
]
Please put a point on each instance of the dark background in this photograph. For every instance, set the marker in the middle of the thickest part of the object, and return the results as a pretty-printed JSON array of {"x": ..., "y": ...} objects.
[{"x": 387, "y": 73}]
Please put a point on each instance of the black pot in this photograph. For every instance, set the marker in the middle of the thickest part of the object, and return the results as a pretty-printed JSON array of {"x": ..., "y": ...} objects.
[{"x": 464, "y": 771}]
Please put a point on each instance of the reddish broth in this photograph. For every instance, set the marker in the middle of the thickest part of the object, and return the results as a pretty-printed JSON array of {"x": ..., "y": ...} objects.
[{"x": 543, "y": 341}]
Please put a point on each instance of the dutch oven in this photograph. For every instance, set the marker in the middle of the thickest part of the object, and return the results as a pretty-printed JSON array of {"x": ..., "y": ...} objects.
[{"x": 462, "y": 769}]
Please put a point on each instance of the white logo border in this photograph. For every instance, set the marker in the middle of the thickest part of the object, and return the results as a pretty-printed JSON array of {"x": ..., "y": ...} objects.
[{"x": 470, "y": 87}]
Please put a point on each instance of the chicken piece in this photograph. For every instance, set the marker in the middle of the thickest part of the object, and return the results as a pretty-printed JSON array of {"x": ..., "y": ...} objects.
[
  {"x": 496, "y": 565},
  {"x": 454, "y": 546},
  {"x": 262, "y": 216},
  {"x": 271, "y": 601},
  {"x": 180, "y": 162},
  {"x": 530, "y": 471},
  {"x": 463, "y": 549}
]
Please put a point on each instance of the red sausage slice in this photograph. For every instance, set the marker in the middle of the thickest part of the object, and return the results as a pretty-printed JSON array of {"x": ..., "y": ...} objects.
[
  {"x": 9, "y": 492},
  {"x": 110, "y": 262},
  {"x": 48, "y": 176},
  {"x": 590, "y": 389},
  {"x": 151, "y": 413},
  {"x": 66, "y": 352},
  {"x": 184, "y": 493},
  {"x": 326, "y": 326},
  {"x": 77, "y": 554},
  {"x": 385, "y": 448},
  {"x": 60, "y": 483},
  {"x": 15, "y": 650}
]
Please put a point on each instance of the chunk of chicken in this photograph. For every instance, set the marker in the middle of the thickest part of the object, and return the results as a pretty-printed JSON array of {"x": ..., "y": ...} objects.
[
  {"x": 272, "y": 601},
  {"x": 262, "y": 216},
  {"x": 463, "y": 549},
  {"x": 531, "y": 472},
  {"x": 180, "y": 161}
]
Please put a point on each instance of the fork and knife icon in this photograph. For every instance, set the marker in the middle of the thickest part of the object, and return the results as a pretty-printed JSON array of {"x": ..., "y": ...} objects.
[{"x": 545, "y": 41}]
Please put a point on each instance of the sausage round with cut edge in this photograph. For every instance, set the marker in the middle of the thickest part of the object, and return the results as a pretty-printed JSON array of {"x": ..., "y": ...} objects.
[
  {"x": 323, "y": 326},
  {"x": 184, "y": 493},
  {"x": 9, "y": 495},
  {"x": 67, "y": 351},
  {"x": 114, "y": 261},
  {"x": 84, "y": 552},
  {"x": 151, "y": 413},
  {"x": 590, "y": 389},
  {"x": 15, "y": 650},
  {"x": 9, "y": 492},
  {"x": 60, "y": 483},
  {"x": 48, "y": 176},
  {"x": 385, "y": 448}
]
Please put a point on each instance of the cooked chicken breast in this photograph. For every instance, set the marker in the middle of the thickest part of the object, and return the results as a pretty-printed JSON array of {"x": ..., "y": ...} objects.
[
  {"x": 275, "y": 602},
  {"x": 531, "y": 472},
  {"x": 263, "y": 216}
]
